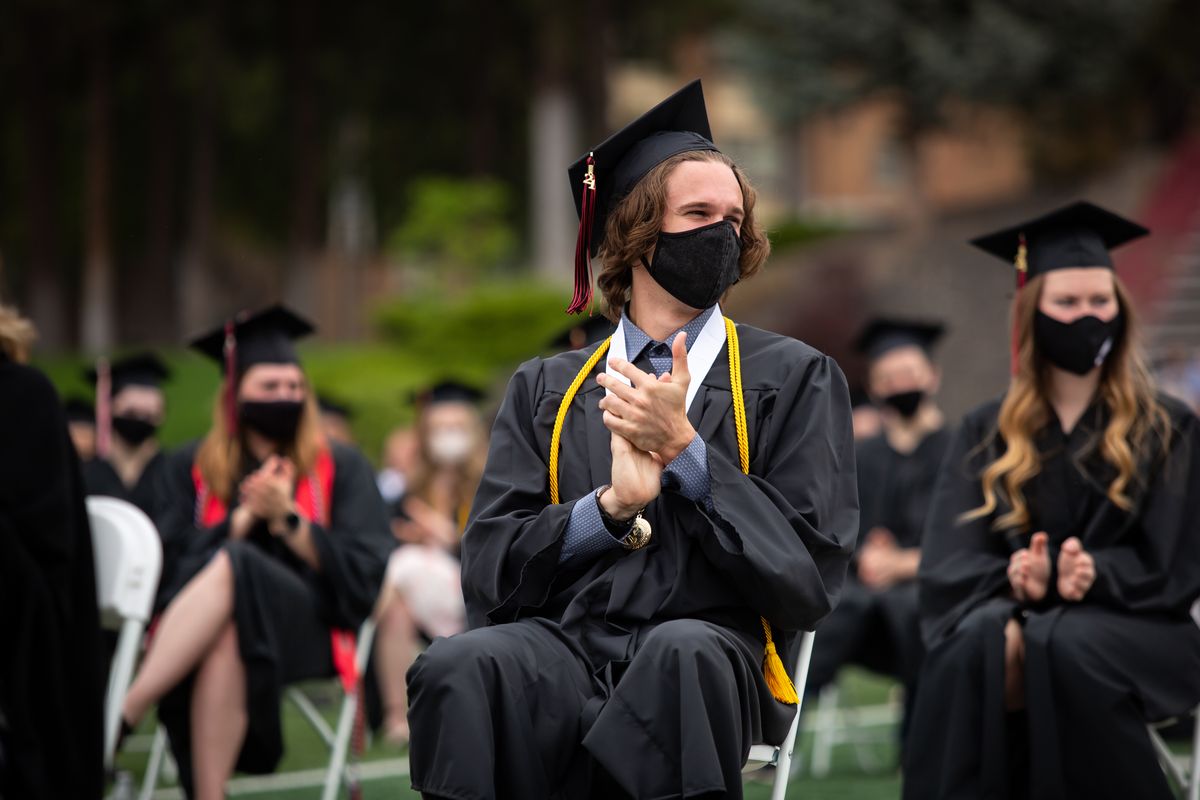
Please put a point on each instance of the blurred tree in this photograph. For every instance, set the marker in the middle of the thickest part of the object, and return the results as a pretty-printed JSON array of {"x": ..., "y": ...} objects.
[
  {"x": 1083, "y": 71},
  {"x": 456, "y": 229}
]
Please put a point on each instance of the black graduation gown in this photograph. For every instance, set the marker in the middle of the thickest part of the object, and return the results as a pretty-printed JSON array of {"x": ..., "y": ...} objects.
[
  {"x": 283, "y": 610},
  {"x": 879, "y": 629},
  {"x": 101, "y": 478},
  {"x": 1095, "y": 671},
  {"x": 51, "y": 692},
  {"x": 652, "y": 659}
]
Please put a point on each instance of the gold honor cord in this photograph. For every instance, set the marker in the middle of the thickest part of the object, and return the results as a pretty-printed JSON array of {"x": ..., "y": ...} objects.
[{"x": 773, "y": 671}]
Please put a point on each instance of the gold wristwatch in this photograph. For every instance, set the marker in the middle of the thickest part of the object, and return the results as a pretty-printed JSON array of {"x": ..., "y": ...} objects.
[{"x": 633, "y": 534}]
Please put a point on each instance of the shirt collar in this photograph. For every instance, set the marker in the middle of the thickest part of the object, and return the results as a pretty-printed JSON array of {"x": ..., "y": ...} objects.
[{"x": 637, "y": 340}]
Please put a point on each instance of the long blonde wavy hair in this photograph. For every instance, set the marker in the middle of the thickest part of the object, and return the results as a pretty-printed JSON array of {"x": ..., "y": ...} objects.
[
  {"x": 1136, "y": 423},
  {"x": 220, "y": 457}
]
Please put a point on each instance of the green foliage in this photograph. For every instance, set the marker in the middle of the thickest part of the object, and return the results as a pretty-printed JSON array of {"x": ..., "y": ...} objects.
[
  {"x": 460, "y": 224},
  {"x": 797, "y": 232},
  {"x": 478, "y": 335}
]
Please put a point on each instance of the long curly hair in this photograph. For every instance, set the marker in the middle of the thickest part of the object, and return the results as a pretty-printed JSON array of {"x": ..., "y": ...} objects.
[
  {"x": 1137, "y": 421},
  {"x": 633, "y": 227},
  {"x": 220, "y": 457}
]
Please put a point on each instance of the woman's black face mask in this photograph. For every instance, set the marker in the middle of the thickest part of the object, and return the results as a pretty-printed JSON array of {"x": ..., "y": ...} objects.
[
  {"x": 1078, "y": 346},
  {"x": 696, "y": 267},
  {"x": 277, "y": 420}
]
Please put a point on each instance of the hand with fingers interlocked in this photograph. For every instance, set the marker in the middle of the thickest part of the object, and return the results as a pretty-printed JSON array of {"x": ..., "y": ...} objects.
[{"x": 652, "y": 413}]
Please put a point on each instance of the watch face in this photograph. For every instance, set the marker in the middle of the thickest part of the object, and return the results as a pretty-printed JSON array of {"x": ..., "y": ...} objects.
[{"x": 293, "y": 520}]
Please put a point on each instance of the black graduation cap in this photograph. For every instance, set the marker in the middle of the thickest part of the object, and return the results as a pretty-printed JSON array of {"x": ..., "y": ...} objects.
[
  {"x": 140, "y": 369},
  {"x": 337, "y": 408},
  {"x": 79, "y": 409},
  {"x": 601, "y": 178},
  {"x": 882, "y": 335},
  {"x": 448, "y": 391},
  {"x": 587, "y": 332},
  {"x": 1077, "y": 235},
  {"x": 263, "y": 337}
]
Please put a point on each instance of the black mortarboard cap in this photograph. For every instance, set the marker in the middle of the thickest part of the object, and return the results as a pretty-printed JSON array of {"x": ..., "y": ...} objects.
[
  {"x": 448, "y": 391},
  {"x": 263, "y": 337},
  {"x": 1077, "y": 235},
  {"x": 79, "y": 409},
  {"x": 587, "y": 332},
  {"x": 882, "y": 335},
  {"x": 328, "y": 405},
  {"x": 139, "y": 369},
  {"x": 604, "y": 176}
]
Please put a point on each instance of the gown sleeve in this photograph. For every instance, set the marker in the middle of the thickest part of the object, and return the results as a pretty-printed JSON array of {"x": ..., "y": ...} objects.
[
  {"x": 786, "y": 531},
  {"x": 353, "y": 550},
  {"x": 510, "y": 551},
  {"x": 1157, "y": 568},
  {"x": 963, "y": 563}
]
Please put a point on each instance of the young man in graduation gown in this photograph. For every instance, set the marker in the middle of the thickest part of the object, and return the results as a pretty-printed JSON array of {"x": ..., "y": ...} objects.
[
  {"x": 629, "y": 570},
  {"x": 1062, "y": 554},
  {"x": 51, "y": 692},
  {"x": 136, "y": 405},
  {"x": 282, "y": 539},
  {"x": 875, "y": 623}
]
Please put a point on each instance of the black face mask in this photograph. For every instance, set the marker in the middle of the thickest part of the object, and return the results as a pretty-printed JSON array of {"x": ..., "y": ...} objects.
[
  {"x": 1078, "y": 346},
  {"x": 905, "y": 403},
  {"x": 133, "y": 430},
  {"x": 276, "y": 419},
  {"x": 696, "y": 267}
]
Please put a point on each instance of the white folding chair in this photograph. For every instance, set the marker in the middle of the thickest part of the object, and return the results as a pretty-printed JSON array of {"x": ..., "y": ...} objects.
[
  {"x": 866, "y": 728},
  {"x": 338, "y": 773},
  {"x": 765, "y": 755},
  {"x": 128, "y": 557},
  {"x": 1187, "y": 778}
]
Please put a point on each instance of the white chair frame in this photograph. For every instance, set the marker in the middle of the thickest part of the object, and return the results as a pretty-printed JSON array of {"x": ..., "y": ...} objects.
[
  {"x": 1187, "y": 779},
  {"x": 337, "y": 773},
  {"x": 128, "y": 556},
  {"x": 765, "y": 755}
]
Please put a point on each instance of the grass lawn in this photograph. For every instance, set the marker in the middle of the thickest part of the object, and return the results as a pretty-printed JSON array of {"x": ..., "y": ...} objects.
[{"x": 846, "y": 781}]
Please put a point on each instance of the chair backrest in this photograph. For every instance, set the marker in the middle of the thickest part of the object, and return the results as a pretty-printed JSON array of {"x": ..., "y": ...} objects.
[{"x": 128, "y": 557}]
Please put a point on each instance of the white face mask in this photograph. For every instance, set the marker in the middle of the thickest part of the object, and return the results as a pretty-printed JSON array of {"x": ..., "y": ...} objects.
[{"x": 449, "y": 448}]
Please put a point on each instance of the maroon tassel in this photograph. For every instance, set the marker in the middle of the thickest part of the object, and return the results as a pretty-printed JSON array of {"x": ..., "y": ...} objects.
[
  {"x": 103, "y": 408},
  {"x": 1022, "y": 272},
  {"x": 230, "y": 378},
  {"x": 582, "y": 297}
]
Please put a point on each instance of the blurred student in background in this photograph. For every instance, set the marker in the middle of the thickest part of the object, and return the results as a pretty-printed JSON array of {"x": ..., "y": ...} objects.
[
  {"x": 422, "y": 593},
  {"x": 136, "y": 406}
]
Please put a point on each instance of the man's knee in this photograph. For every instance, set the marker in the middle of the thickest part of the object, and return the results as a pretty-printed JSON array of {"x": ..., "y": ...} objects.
[{"x": 683, "y": 640}]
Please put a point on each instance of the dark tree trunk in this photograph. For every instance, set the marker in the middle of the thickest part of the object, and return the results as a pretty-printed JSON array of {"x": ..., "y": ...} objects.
[
  {"x": 199, "y": 303},
  {"x": 97, "y": 313},
  {"x": 299, "y": 280},
  {"x": 46, "y": 302},
  {"x": 146, "y": 317}
]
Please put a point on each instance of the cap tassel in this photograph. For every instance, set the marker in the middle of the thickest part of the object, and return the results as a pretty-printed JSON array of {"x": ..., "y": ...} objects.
[
  {"x": 103, "y": 408},
  {"x": 778, "y": 681},
  {"x": 582, "y": 297},
  {"x": 1022, "y": 266},
  {"x": 230, "y": 378}
]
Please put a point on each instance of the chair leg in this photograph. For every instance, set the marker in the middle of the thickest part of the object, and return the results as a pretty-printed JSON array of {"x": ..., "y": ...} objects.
[
  {"x": 783, "y": 762},
  {"x": 825, "y": 730},
  {"x": 1193, "y": 776},
  {"x": 158, "y": 751},
  {"x": 119, "y": 678},
  {"x": 341, "y": 745}
]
